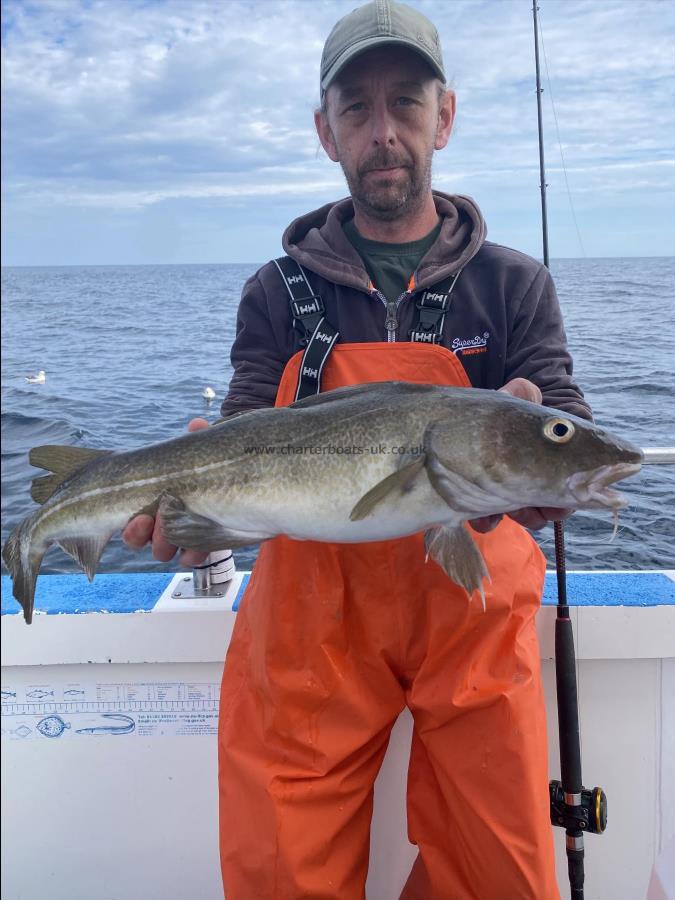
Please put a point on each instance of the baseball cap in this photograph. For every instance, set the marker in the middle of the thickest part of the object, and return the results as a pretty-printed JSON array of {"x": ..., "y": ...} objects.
[{"x": 377, "y": 23}]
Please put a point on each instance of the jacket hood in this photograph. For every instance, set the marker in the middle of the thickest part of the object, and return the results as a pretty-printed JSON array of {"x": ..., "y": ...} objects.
[{"x": 317, "y": 241}]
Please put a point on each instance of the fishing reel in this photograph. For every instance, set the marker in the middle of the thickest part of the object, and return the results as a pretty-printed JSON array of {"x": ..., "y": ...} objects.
[{"x": 590, "y": 815}]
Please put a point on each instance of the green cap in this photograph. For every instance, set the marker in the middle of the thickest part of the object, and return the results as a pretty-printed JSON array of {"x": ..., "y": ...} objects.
[{"x": 373, "y": 25}]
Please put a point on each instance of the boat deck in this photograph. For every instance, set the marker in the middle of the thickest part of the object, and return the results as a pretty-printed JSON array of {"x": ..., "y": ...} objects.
[{"x": 109, "y": 722}]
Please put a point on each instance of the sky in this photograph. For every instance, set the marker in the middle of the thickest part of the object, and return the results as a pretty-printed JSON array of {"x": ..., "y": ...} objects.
[{"x": 181, "y": 131}]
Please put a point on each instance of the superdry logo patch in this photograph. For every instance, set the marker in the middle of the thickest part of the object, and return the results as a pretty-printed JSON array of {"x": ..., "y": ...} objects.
[{"x": 469, "y": 346}]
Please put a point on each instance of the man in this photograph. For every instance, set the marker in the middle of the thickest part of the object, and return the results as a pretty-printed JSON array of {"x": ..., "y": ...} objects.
[{"x": 332, "y": 641}]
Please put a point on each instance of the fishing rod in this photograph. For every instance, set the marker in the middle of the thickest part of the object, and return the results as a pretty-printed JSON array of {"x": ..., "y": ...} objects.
[{"x": 572, "y": 806}]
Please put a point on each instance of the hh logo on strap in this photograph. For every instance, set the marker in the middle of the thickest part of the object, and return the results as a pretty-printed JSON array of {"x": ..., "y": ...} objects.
[
  {"x": 306, "y": 309},
  {"x": 321, "y": 336},
  {"x": 311, "y": 373},
  {"x": 295, "y": 279}
]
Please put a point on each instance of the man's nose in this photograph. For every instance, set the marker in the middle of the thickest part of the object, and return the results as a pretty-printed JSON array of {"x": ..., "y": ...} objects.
[{"x": 382, "y": 122}]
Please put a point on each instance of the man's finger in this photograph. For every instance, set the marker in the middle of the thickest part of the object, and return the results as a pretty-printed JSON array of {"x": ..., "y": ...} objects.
[
  {"x": 161, "y": 548},
  {"x": 190, "y": 558},
  {"x": 485, "y": 523},
  {"x": 530, "y": 517},
  {"x": 522, "y": 388},
  {"x": 138, "y": 531},
  {"x": 555, "y": 513},
  {"x": 535, "y": 517},
  {"x": 197, "y": 424}
]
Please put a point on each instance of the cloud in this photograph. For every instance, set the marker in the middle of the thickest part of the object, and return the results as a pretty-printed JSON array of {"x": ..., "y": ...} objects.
[
  {"x": 124, "y": 106},
  {"x": 78, "y": 195}
]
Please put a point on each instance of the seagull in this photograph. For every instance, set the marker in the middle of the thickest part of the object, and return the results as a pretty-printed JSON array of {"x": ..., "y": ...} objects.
[
  {"x": 36, "y": 379},
  {"x": 208, "y": 393}
]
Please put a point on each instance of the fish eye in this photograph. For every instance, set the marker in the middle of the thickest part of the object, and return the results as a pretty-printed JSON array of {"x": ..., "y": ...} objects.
[{"x": 560, "y": 431}]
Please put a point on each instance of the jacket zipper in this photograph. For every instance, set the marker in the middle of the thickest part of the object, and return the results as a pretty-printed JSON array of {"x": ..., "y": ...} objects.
[{"x": 391, "y": 320}]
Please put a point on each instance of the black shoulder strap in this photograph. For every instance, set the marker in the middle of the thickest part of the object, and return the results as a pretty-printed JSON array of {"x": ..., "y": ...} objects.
[
  {"x": 307, "y": 312},
  {"x": 432, "y": 306}
]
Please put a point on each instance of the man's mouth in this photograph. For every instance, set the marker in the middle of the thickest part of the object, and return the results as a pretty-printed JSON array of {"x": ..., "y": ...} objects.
[{"x": 385, "y": 170}]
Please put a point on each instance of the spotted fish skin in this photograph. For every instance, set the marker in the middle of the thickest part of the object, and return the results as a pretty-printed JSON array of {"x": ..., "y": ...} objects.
[{"x": 363, "y": 463}]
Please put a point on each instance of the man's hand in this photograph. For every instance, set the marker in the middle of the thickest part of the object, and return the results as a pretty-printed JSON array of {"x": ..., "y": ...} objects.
[
  {"x": 522, "y": 388},
  {"x": 143, "y": 529},
  {"x": 533, "y": 517}
]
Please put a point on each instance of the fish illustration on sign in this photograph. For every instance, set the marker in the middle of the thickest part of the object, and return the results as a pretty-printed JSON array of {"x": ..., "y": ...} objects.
[
  {"x": 52, "y": 726},
  {"x": 39, "y": 694},
  {"x": 125, "y": 726},
  {"x": 22, "y": 731}
]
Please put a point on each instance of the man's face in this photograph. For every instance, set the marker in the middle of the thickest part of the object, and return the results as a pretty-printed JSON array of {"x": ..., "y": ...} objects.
[{"x": 382, "y": 124}]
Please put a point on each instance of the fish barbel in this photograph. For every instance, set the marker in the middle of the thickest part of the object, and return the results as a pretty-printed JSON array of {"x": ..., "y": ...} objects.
[{"x": 363, "y": 463}]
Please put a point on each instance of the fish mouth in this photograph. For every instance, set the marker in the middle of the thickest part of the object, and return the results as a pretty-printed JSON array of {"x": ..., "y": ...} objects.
[{"x": 591, "y": 488}]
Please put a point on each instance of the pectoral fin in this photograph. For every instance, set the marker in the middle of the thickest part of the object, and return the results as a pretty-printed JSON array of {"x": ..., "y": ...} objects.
[
  {"x": 459, "y": 493},
  {"x": 456, "y": 553},
  {"x": 401, "y": 480},
  {"x": 86, "y": 551},
  {"x": 185, "y": 528}
]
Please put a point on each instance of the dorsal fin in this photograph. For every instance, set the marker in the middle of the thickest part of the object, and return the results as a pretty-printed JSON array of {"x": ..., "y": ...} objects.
[
  {"x": 353, "y": 390},
  {"x": 43, "y": 487},
  {"x": 62, "y": 461}
]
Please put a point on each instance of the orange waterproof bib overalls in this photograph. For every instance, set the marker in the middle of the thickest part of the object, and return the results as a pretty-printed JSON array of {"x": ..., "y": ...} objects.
[{"x": 331, "y": 642}]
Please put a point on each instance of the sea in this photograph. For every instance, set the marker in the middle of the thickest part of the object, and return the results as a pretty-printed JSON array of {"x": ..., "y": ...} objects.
[{"x": 128, "y": 351}]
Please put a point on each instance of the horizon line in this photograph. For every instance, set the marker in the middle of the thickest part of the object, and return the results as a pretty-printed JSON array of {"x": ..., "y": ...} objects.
[{"x": 257, "y": 263}]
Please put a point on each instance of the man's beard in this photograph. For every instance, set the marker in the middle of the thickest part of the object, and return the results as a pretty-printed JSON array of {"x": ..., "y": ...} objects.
[{"x": 394, "y": 198}]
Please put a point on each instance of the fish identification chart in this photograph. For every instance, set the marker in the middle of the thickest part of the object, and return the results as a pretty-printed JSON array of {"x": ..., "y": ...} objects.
[{"x": 84, "y": 710}]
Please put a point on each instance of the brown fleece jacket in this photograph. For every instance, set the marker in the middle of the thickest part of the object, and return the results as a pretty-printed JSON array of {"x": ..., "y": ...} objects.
[{"x": 504, "y": 320}]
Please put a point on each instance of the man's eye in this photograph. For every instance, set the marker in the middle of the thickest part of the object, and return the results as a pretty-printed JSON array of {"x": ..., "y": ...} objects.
[
  {"x": 405, "y": 101},
  {"x": 356, "y": 107}
]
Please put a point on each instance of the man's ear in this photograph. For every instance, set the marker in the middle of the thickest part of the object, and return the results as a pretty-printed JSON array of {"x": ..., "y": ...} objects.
[
  {"x": 325, "y": 133},
  {"x": 446, "y": 117}
]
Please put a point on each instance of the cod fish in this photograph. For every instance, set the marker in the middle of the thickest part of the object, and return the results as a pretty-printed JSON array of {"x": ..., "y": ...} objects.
[{"x": 363, "y": 463}]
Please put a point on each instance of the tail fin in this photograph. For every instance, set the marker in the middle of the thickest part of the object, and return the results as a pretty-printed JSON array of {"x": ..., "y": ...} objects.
[{"x": 23, "y": 560}]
